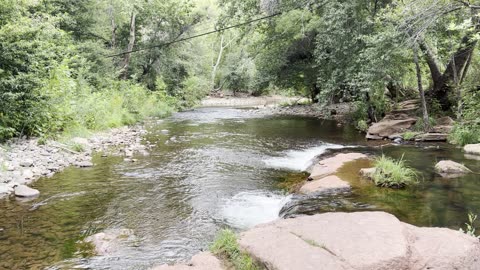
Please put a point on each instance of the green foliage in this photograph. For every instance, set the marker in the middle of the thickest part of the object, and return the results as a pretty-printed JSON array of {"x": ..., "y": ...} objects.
[
  {"x": 420, "y": 124},
  {"x": 362, "y": 125},
  {"x": 226, "y": 246},
  {"x": 393, "y": 173},
  {"x": 470, "y": 225},
  {"x": 465, "y": 134},
  {"x": 409, "y": 135}
]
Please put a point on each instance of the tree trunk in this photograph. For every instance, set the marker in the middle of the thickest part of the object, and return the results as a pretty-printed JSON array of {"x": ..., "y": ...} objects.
[
  {"x": 457, "y": 67},
  {"x": 217, "y": 63},
  {"x": 426, "y": 121},
  {"x": 131, "y": 43},
  {"x": 314, "y": 93}
]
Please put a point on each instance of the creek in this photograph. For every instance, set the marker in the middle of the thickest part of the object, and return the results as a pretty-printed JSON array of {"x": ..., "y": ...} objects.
[{"x": 209, "y": 169}]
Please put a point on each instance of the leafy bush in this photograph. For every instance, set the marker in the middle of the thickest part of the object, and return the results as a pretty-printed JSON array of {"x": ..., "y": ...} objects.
[
  {"x": 463, "y": 135},
  {"x": 362, "y": 125},
  {"x": 393, "y": 173},
  {"x": 226, "y": 245}
]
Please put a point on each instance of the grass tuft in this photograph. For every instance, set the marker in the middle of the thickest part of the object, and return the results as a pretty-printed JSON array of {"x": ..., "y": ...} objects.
[
  {"x": 226, "y": 246},
  {"x": 393, "y": 173}
]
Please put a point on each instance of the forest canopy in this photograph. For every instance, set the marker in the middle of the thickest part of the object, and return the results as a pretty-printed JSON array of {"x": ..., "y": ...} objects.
[{"x": 65, "y": 65}]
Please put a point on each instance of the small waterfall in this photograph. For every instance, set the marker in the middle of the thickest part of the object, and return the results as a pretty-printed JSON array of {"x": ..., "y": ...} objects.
[
  {"x": 299, "y": 160},
  {"x": 251, "y": 208}
]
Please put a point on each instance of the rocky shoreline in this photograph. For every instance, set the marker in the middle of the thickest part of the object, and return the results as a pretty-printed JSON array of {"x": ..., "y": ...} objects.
[{"x": 23, "y": 161}]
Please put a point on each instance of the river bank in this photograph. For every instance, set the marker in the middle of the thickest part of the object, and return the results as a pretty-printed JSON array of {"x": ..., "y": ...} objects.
[{"x": 23, "y": 161}]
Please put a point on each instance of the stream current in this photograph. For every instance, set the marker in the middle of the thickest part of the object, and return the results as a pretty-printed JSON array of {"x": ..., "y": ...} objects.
[{"x": 209, "y": 169}]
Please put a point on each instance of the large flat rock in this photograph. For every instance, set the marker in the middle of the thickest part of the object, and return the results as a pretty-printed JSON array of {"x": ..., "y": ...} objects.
[
  {"x": 201, "y": 261},
  {"x": 362, "y": 240},
  {"x": 331, "y": 165},
  {"x": 472, "y": 149},
  {"x": 395, "y": 123},
  {"x": 326, "y": 184}
]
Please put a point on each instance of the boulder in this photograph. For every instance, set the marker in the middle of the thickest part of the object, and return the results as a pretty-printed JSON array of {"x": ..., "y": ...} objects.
[
  {"x": 431, "y": 137},
  {"x": 444, "y": 125},
  {"x": 331, "y": 165},
  {"x": 390, "y": 125},
  {"x": 367, "y": 172},
  {"x": 472, "y": 149},
  {"x": 451, "y": 167},
  {"x": 326, "y": 184},
  {"x": 445, "y": 121},
  {"x": 360, "y": 241},
  {"x": 109, "y": 241},
  {"x": 24, "y": 191},
  {"x": 201, "y": 261},
  {"x": 442, "y": 129}
]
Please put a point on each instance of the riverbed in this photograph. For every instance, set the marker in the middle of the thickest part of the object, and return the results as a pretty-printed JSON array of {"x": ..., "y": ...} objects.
[{"x": 208, "y": 169}]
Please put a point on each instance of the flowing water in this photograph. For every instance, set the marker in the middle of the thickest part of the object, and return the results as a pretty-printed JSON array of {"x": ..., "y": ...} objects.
[{"x": 209, "y": 169}]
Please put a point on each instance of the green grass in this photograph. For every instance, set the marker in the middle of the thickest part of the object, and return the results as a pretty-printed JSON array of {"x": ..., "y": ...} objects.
[
  {"x": 226, "y": 246},
  {"x": 393, "y": 173},
  {"x": 409, "y": 135}
]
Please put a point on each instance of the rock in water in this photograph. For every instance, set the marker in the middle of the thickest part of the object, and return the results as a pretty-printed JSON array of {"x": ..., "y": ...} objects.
[
  {"x": 472, "y": 149},
  {"x": 201, "y": 261},
  {"x": 367, "y": 172},
  {"x": 451, "y": 167},
  {"x": 361, "y": 240},
  {"x": 326, "y": 184},
  {"x": 109, "y": 241},
  {"x": 24, "y": 191}
]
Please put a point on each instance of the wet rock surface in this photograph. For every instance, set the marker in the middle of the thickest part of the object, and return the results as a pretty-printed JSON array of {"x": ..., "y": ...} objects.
[
  {"x": 23, "y": 161},
  {"x": 326, "y": 184},
  {"x": 331, "y": 165},
  {"x": 362, "y": 240},
  {"x": 109, "y": 241},
  {"x": 201, "y": 261},
  {"x": 24, "y": 191}
]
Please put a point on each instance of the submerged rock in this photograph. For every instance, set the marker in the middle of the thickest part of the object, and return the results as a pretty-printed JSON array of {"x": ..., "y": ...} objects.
[
  {"x": 24, "y": 191},
  {"x": 448, "y": 168},
  {"x": 472, "y": 149},
  {"x": 109, "y": 241},
  {"x": 201, "y": 261},
  {"x": 362, "y": 240},
  {"x": 367, "y": 172}
]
